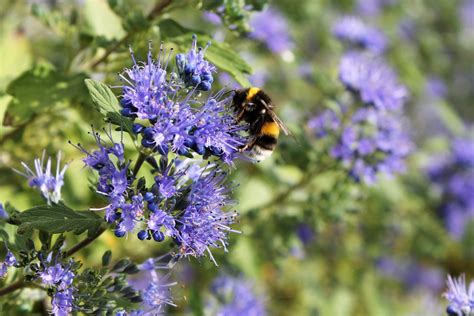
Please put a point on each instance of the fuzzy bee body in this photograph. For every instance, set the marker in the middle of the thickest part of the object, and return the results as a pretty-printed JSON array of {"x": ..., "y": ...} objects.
[{"x": 255, "y": 107}]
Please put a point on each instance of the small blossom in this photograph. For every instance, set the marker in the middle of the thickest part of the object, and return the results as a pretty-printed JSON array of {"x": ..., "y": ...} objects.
[
  {"x": 372, "y": 142},
  {"x": 204, "y": 223},
  {"x": 57, "y": 276},
  {"x": 325, "y": 123},
  {"x": 146, "y": 90},
  {"x": 460, "y": 296},
  {"x": 9, "y": 261},
  {"x": 154, "y": 286},
  {"x": 42, "y": 179},
  {"x": 453, "y": 175},
  {"x": 372, "y": 80},
  {"x": 270, "y": 27},
  {"x": 354, "y": 31},
  {"x": 62, "y": 302},
  {"x": 3, "y": 213},
  {"x": 194, "y": 70},
  {"x": 234, "y": 296},
  {"x": 212, "y": 17}
]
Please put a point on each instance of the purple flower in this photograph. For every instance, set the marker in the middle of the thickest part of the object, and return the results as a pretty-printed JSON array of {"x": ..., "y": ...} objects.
[
  {"x": 48, "y": 184},
  {"x": 460, "y": 296},
  {"x": 63, "y": 302},
  {"x": 411, "y": 273},
  {"x": 466, "y": 12},
  {"x": 453, "y": 174},
  {"x": 178, "y": 121},
  {"x": 372, "y": 80},
  {"x": 435, "y": 88},
  {"x": 354, "y": 31},
  {"x": 57, "y": 276},
  {"x": 212, "y": 17},
  {"x": 3, "y": 213},
  {"x": 305, "y": 233},
  {"x": 155, "y": 288},
  {"x": 157, "y": 296},
  {"x": 234, "y": 296},
  {"x": 9, "y": 261},
  {"x": 270, "y": 27},
  {"x": 115, "y": 181},
  {"x": 146, "y": 91},
  {"x": 374, "y": 143},
  {"x": 325, "y": 123},
  {"x": 204, "y": 223},
  {"x": 193, "y": 69},
  {"x": 161, "y": 219}
]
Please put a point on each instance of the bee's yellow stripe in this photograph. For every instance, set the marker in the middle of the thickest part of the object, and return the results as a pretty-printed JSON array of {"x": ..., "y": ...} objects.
[
  {"x": 252, "y": 92},
  {"x": 270, "y": 129}
]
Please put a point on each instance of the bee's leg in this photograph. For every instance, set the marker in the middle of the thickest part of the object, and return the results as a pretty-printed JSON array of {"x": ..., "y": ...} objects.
[
  {"x": 240, "y": 115},
  {"x": 249, "y": 144}
]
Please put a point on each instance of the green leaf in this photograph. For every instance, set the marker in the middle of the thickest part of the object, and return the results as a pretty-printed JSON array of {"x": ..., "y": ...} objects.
[
  {"x": 107, "y": 104},
  {"x": 100, "y": 20},
  {"x": 57, "y": 219},
  {"x": 222, "y": 55},
  {"x": 106, "y": 257},
  {"x": 40, "y": 89}
]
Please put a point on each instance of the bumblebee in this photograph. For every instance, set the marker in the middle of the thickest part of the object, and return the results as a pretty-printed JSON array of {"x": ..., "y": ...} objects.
[{"x": 255, "y": 107}]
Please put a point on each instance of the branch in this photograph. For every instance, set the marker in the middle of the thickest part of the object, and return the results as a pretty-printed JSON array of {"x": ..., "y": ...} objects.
[
  {"x": 13, "y": 287},
  {"x": 85, "y": 242},
  {"x": 153, "y": 13}
]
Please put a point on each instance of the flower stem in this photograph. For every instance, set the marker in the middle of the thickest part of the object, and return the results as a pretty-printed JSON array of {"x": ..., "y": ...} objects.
[
  {"x": 140, "y": 160},
  {"x": 153, "y": 13}
]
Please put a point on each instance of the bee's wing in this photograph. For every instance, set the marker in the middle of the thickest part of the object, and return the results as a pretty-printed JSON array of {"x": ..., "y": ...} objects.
[{"x": 276, "y": 118}]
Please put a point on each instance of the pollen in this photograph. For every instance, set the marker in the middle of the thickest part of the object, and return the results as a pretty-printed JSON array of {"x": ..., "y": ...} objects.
[{"x": 270, "y": 129}]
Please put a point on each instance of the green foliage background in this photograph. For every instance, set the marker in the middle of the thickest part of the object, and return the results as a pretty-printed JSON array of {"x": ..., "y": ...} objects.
[{"x": 48, "y": 48}]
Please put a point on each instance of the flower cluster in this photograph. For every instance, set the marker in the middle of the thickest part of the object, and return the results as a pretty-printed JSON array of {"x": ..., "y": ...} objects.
[
  {"x": 453, "y": 174},
  {"x": 60, "y": 278},
  {"x": 9, "y": 261},
  {"x": 185, "y": 202},
  {"x": 193, "y": 69},
  {"x": 352, "y": 30},
  {"x": 370, "y": 136},
  {"x": 270, "y": 27},
  {"x": 460, "y": 297},
  {"x": 372, "y": 80},
  {"x": 175, "y": 122},
  {"x": 234, "y": 296},
  {"x": 42, "y": 179}
]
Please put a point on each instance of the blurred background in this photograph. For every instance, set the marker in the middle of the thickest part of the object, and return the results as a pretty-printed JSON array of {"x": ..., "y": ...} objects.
[{"x": 314, "y": 240}]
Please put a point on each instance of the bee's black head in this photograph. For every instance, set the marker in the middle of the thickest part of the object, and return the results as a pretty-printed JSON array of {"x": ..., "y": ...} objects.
[{"x": 239, "y": 97}]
